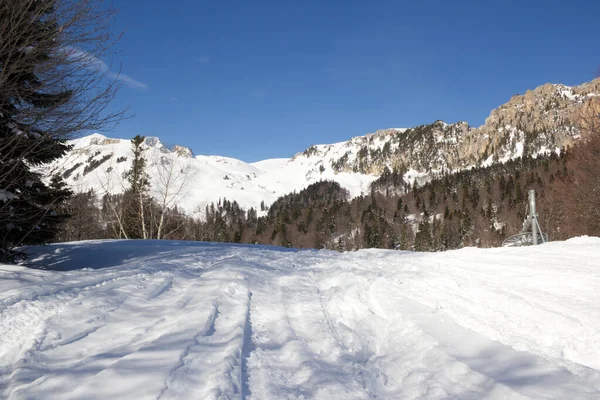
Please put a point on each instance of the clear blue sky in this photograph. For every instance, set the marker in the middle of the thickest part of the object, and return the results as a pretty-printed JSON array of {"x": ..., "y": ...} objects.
[{"x": 267, "y": 78}]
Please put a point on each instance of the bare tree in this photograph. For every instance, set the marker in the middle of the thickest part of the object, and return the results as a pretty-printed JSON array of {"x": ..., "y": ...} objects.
[
  {"x": 171, "y": 183},
  {"x": 53, "y": 84},
  {"x": 67, "y": 61},
  {"x": 110, "y": 185}
]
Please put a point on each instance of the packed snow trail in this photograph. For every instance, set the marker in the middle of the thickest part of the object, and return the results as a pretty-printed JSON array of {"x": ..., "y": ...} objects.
[{"x": 173, "y": 320}]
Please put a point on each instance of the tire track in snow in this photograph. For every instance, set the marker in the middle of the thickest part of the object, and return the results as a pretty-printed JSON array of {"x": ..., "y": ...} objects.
[
  {"x": 24, "y": 330},
  {"x": 523, "y": 314},
  {"x": 68, "y": 289},
  {"x": 26, "y": 324},
  {"x": 307, "y": 343},
  {"x": 73, "y": 339},
  {"x": 334, "y": 332},
  {"x": 360, "y": 365},
  {"x": 502, "y": 366},
  {"x": 247, "y": 349},
  {"x": 207, "y": 330},
  {"x": 155, "y": 291},
  {"x": 145, "y": 294}
]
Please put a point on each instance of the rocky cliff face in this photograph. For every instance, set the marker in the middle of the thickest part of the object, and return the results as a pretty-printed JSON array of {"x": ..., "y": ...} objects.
[{"x": 541, "y": 120}]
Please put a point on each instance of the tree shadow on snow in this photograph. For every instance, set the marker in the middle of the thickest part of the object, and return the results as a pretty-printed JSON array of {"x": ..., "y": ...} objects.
[
  {"x": 525, "y": 373},
  {"x": 97, "y": 254}
]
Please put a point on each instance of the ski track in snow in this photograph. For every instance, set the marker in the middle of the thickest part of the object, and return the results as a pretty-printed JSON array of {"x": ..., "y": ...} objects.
[{"x": 172, "y": 320}]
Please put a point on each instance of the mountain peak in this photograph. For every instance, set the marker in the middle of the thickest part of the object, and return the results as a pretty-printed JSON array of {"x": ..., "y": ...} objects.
[
  {"x": 94, "y": 138},
  {"x": 182, "y": 151},
  {"x": 153, "y": 141}
]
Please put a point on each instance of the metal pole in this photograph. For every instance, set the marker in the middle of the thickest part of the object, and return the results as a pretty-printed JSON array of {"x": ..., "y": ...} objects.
[
  {"x": 533, "y": 217},
  {"x": 537, "y": 223}
]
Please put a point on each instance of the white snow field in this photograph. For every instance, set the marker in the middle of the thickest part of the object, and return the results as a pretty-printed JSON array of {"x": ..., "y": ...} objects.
[{"x": 183, "y": 320}]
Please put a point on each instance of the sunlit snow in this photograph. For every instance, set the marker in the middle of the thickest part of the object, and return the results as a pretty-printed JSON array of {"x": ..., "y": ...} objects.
[
  {"x": 209, "y": 178},
  {"x": 184, "y": 320}
]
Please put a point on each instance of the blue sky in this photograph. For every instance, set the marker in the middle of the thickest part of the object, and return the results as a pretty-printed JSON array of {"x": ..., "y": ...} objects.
[{"x": 265, "y": 79}]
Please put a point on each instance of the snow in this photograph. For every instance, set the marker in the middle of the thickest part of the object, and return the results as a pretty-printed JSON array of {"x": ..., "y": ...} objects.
[
  {"x": 498, "y": 225},
  {"x": 270, "y": 164},
  {"x": 413, "y": 176},
  {"x": 172, "y": 320},
  {"x": 568, "y": 93},
  {"x": 209, "y": 178},
  {"x": 488, "y": 161},
  {"x": 212, "y": 178},
  {"x": 519, "y": 150}
]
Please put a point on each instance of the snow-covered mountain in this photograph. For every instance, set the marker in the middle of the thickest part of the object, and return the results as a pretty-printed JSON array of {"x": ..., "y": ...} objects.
[
  {"x": 541, "y": 120},
  {"x": 97, "y": 162}
]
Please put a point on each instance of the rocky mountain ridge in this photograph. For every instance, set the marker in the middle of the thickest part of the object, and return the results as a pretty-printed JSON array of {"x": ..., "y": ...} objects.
[{"x": 539, "y": 121}]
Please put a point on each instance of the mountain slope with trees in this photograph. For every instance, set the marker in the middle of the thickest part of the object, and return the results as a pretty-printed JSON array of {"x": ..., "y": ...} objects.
[{"x": 433, "y": 187}]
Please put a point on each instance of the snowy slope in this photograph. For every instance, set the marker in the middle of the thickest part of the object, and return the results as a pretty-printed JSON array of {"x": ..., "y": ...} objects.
[
  {"x": 97, "y": 162},
  {"x": 174, "y": 320}
]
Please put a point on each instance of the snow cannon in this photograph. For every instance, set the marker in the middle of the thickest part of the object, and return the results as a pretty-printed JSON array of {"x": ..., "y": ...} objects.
[{"x": 531, "y": 233}]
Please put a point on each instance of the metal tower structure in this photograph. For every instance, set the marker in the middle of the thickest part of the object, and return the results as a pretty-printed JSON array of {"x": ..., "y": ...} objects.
[{"x": 531, "y": 233}]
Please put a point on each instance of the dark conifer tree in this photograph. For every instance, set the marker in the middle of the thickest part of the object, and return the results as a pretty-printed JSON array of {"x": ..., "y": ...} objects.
[
  {"x": 423, "y": 238},
  {"x": 27, "y": 204},
  {"x": 50, "y": 89},
  {"x": 136, "y": 196}
]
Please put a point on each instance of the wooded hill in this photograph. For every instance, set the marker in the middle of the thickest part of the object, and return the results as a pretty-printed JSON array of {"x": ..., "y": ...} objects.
[{"x": 475, "y": 207}]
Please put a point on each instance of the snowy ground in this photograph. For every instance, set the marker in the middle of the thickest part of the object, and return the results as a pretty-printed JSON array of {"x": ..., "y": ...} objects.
[{"x": 177, "y": 320}]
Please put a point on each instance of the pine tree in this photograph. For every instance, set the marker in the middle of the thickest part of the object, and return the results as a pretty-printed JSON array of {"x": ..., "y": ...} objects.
[
  {"x": 50, "y": 89},
  {"x": 85, "y": 219},
  {"x": 27, "y": 204},
  {"x": 423, "y": 238},
  {"x": 136, "y": 196}
]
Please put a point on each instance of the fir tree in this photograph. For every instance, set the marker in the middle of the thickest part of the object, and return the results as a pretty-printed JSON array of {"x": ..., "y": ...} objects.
[
  {"x": 50, "y": 89},
  {"x": 27, "y": 204},
  {"x": 423, "y": 238},
  {"x": 136, "y": 197}
]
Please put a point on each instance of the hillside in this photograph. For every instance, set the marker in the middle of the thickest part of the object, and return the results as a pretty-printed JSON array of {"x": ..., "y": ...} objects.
[{"x": 173, "y": 320}]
